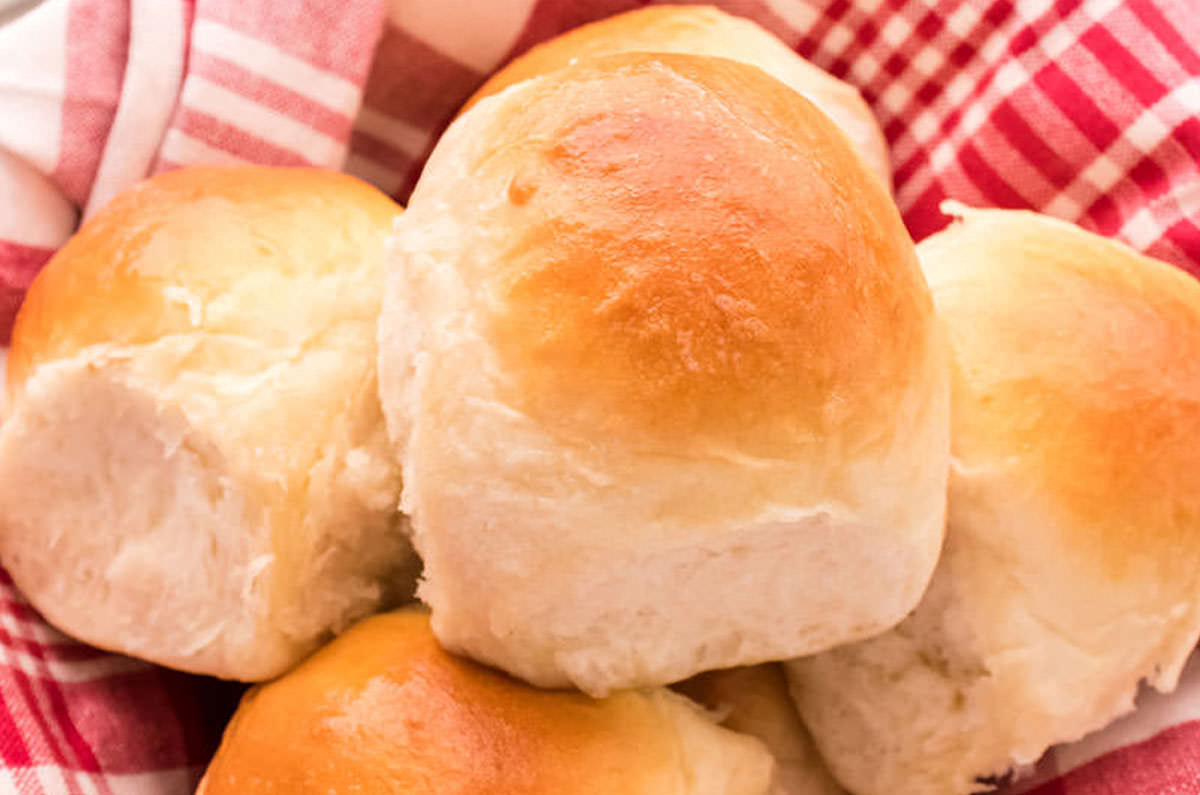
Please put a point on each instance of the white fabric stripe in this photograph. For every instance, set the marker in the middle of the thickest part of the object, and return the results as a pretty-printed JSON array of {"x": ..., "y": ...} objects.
[
  {"x": 87, "y": 782},
  {"x": 35, "y": 211},
  {"x": 183, "y": 149},
  {"x": 266, "y": 60},
  {"x": 53, "y": 778},
  {"x": 400, "y": 134},
  {"x": 1146, "y": 226},
  {"x": 962, "y": 20},
  {"x": 386, "y": 179},
  {"x": 153, "y": 73},
  {"x": 76, "y": 670},
  {"x": 1188, "y": 200},
  {"x": 896, "y": 31},
  {"x": 33, "y": 77},
  {"x": 1146, "y": 134},
  {"x": 263, "y": 122},
  {"x": 1141, "y": 229}
]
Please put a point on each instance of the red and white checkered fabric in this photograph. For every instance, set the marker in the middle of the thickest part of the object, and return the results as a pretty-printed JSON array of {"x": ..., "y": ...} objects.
[{"x": 1085, "y": 109}]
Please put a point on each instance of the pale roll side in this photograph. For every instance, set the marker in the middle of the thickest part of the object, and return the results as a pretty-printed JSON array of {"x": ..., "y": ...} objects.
[{"x": 1073, "y": 538}]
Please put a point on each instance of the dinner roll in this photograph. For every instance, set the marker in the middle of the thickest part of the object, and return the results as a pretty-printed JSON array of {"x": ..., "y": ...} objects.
[
  {"x": 754, "y": 700},
  {"x": 664, "y": 377},
  {"x": 383, "y": 709},
  {"x": 194, "y": 469},
  {"x": 1073, "y": 540},
  {"x": 704, "y": 30}
]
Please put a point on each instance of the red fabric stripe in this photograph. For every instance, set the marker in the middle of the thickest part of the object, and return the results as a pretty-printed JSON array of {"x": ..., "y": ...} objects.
[
  {"x": 1077, "y": 105},
  {"x": 97, "y": 46},
  {"x": 907, "y": 170},
  {"x": 44, "y": 744},
  {"x": 427, "y": 97},
  {"x": 923, "y": 217},
  {"x": 1149, "y": 176},
  {"x": 336, "y": 37},
  {"x": 865, "y": 35},
  {"x": 1019, "y": 133},
  {"x": 1104, "y": 216},
  {"x": 84, "y": 759},
  {"x": 226, "y": 137},
  {"x": 1166, "y": 763},
  {"x": 100, "y": 708},
  {"x": 13, "y": 751},
  {"x": 1187, "y": 135},
  {"x": 35, "y": 728},
  {"x": 1123, "y": 65},
  {"x": 80, "y": 747},
  {"x": 1169, "y": 250},
  {"x": 381, "y": 152},
  {"x": 995, "y": 189},
  {"x": 270, "y": 94},
  {"x": 1146, "y": 180},
  {"x": 19, "y": 264},
  {"x": 1168, "y": 33},
  {"x": 1185, "y": 235}
]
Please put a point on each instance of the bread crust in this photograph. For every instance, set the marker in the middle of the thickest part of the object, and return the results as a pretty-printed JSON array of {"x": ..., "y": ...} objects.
[
  {"x": 664, "y": 376},
  {"x": 383, "y": 709},
  {"x": 1073, "y": 538},
  {"x": 705, "y": 30},
  {"x": 216, "y": 324}
]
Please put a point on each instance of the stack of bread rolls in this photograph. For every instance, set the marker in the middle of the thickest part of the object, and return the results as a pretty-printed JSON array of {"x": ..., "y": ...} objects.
[{"x": 718, "y": 483}]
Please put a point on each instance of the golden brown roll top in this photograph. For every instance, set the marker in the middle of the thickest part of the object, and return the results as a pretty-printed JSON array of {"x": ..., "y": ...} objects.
[
  {"x": 383, "y": 709},
  {"x": 1073, "y": 538},
  {"x": 694, "y": 297},
  {"x": 1090, "y": 379},
  {"x": 664, "y": 376},
  {"x": 704, "y": 30},
  {"x": 194, "y": 469},
  {"x": 215, "y": 251}
]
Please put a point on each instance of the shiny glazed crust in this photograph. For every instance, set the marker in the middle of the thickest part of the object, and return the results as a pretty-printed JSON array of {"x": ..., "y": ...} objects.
[
  {"x": 704, "y": 30},
  {"x": 383, "y": 709},
  {"x": 651, "y": 320}
]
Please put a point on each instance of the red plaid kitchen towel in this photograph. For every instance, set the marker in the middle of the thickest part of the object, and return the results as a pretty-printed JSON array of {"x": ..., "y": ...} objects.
[{"x": 1086, "y": 109}]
